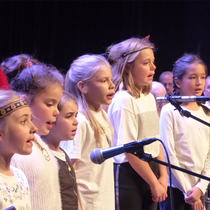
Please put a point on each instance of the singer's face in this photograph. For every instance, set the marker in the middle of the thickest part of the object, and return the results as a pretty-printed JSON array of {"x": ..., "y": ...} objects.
[
  {"x": 193, "y": 82},
  {"x": 100, "y": 89},
  {"x": 66, "y": 122},
  {"x": 44, "y": 108},
  {"x": 144, "y": 69},
  {"x": 17, "y": 133}
]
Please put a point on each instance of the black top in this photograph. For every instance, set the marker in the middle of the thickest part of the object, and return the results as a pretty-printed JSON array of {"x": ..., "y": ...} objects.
[{"x": 68, "y": 185}]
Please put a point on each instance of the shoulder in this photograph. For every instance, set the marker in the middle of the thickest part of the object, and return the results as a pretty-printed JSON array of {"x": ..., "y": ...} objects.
[
  {"x": 122, "y": 99},
  {"x": 83, "y": 122},
  {"x": 18, "y": 173},
  {"x": 168, "y": 111},
  {"x": 82, "y": 119}
]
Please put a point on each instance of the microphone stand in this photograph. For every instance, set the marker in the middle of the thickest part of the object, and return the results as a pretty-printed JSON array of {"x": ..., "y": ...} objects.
[
  {"x": 148, "y": 157},
  {"x": 184, "y": 112}
]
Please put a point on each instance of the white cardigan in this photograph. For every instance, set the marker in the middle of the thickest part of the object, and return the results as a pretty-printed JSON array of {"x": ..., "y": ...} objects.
[{"x": 42, "y": 176}]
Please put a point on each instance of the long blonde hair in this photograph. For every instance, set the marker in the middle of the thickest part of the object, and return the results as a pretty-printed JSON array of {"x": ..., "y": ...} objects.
[
  {"x": 122, "y": 57},
  {"x": 84, "y": 69}
]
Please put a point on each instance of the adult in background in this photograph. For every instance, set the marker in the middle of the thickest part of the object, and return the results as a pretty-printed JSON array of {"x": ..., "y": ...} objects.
[
  {"x": 166, "y": 78},
  {"x": 158, "y": 90}
]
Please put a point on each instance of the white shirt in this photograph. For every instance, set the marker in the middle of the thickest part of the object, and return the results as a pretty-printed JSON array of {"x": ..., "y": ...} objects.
[
  {"x": 188, "y": 145},
  {"x": 134, "y": 119},
  {"x": 14, "y": 191},
  {"x": 95, "y": 182},
  {"x": 42, "y": 176}
]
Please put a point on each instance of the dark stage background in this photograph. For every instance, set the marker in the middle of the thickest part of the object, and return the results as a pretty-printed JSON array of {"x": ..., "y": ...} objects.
[{"x": 57, "y": 32}]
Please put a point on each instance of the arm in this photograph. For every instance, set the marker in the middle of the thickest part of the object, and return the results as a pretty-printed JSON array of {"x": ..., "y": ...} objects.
[
  {"x": 168, "y": 136},
  {"x": 163, "y": 175},
  {"x": 199, "y": 189}
]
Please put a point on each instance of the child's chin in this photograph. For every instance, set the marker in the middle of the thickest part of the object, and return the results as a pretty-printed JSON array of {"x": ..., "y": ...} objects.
[{"x": 25, "y": 152}]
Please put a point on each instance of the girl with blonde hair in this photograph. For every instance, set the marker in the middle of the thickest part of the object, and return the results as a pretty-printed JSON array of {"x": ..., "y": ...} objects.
[
  {"x": 134, "y": 116},
  {"x": 90, "y": 80}
]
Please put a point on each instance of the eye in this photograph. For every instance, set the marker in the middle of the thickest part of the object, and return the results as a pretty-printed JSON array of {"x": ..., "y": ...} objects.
[
  {"x": 23, "y": 121},
  {"x": 68, "y": 116},
  {"x": 49, "y": 104},
  {"x": 192, "y": 77}
]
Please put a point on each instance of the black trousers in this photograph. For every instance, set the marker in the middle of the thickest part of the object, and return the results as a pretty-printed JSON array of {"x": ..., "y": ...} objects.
[
  {"x": 131, "y": 191},
  {"x": 179, "y": 202}
]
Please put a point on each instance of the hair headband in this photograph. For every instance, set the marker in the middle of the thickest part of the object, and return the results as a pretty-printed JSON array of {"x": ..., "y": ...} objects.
[
  {"x": 12, "y": 107},
  {"x": 125, "y": 54}
]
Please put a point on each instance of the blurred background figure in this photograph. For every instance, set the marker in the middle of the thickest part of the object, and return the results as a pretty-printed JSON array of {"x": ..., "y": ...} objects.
[
  {"x": 158, "y": 90},
  {"x": 166, "y": 78},
  {"x": 206, "y": 90}
]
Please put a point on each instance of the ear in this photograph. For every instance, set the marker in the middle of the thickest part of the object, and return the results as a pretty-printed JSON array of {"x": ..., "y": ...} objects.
[
  {"x": 177, "y": 82},
  {"x": 128, "y": 68},
  {"x": 82, "y": 87}
]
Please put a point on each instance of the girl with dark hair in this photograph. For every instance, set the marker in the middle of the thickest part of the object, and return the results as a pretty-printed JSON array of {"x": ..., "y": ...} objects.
[
  {"x": 42, "y": 87},
  {"x": 187, "y": 140}
]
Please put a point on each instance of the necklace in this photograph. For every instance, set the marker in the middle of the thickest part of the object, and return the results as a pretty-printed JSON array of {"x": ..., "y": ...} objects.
[{"x": 43, "y": 150}]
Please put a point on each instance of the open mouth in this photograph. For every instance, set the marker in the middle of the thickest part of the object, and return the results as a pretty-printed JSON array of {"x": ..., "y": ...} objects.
[
  {"x": 151, "y": 76},
  {"x": 110, "y": 96},
  {"x": 50, "y": 125},
  {"x": 74, "y": 132}
]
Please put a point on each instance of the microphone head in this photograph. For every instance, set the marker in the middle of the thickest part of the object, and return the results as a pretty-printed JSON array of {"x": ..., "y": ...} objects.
[{"x": 96, "y": 156}]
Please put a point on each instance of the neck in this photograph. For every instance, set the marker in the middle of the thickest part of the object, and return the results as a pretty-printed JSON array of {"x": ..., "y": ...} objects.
[
  {"x": 191, "y": 106},
  {"x": 5, "y": 165},
  {"x": 52, "y": 142},
  {"x": 94, "y": 108}
]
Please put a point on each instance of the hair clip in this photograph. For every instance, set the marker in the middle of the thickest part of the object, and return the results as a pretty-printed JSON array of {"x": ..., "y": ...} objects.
[
  {"x": 28, "y": 64},
  {"x": 146, "y": 38},
  {"x": 12, "y": 107}
]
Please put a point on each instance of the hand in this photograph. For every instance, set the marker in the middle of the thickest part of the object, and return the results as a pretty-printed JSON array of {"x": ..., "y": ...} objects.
[
  {"x": 158, "y": 192},
  {"x": 193, "y": 195},
  {"x": 198, "y": 205}
]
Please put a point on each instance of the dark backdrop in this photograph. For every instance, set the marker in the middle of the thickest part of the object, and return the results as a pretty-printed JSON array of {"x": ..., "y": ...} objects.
[{"x": 57, "y": 32}]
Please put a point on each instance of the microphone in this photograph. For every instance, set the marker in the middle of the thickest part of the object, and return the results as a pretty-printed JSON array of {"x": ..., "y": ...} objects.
[
  {"x": 98, "y": 156},
  {"x": 183, "y": 99}
]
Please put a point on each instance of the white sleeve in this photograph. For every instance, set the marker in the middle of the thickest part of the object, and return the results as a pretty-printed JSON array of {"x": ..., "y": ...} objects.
[
  {"x": 203, "y": 184},
  {"x": 125, "y": 126},
  {"x": 167, "y": 135}
]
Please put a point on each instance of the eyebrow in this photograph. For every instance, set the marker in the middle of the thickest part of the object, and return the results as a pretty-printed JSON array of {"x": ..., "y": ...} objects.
[
  {"x": 51, "y": 99},
  {"x": 23, "y": 115},
  {"x": 70, "y": 112}
]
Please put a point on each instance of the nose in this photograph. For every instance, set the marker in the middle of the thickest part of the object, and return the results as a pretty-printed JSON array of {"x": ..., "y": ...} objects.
[
  {"x": 112, "y": 85},
  {"x": 198, "y": 81},
  {"x": 56, "y": 112},
  {"x": 33, "y": 128},
  {"x": 153, "y": 67},
  {"x": 76, "y": 121}
]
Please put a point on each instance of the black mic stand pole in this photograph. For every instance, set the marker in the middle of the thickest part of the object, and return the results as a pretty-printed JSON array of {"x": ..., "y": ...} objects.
[
  {"x": 148, "y": 157},
  {"x": 184, "y": 112}
]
